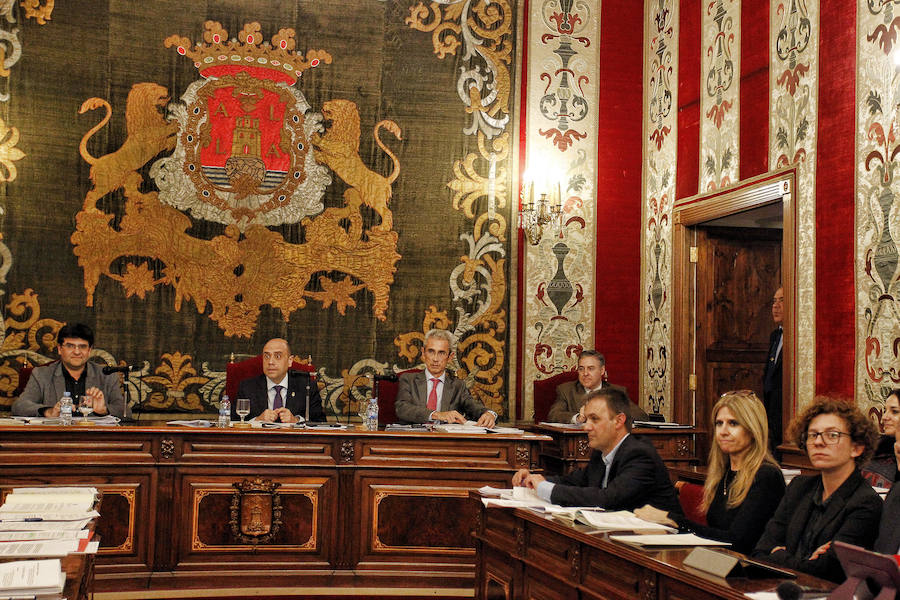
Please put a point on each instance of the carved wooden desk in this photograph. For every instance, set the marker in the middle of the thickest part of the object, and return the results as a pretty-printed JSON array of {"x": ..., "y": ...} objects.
[
  {"x": 340, "y": 508},
  {"x": 568, "y": 448},
  {"x": 521, "y": 554}
]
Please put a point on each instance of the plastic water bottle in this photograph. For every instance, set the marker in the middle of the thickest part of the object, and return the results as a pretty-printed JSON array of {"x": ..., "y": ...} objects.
[
  {"x": 372, "y": 414},
  {"x": 224, "y": 412},
  {"x": 65, "y": 409}
]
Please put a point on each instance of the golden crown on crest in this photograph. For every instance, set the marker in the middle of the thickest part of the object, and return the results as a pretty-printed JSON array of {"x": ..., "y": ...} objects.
[{"x": 275, "y": 60}]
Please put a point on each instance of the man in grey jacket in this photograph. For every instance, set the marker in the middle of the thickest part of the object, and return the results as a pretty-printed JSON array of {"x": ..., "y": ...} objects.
[
  {"x": 434, "y": 394},
  {"x": 73, "y": 373}
]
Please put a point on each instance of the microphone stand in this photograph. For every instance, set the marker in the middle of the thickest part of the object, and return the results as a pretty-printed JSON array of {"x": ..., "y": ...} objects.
[{"x": 308, "y": 378}]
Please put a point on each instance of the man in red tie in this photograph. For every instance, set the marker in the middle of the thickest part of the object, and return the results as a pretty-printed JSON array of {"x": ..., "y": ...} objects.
[
  {"x": 435, "y": 395},
  {"x": 279, "y": 394}
]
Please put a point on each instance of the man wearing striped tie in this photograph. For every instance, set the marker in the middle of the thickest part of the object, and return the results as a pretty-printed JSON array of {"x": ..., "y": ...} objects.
[
  {"x": 435, "y": 395},
  {"x": 279, "y": 394}
]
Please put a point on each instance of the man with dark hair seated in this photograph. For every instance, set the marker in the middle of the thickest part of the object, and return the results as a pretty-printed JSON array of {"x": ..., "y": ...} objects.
[
  {"x": 624, "y": 471},
  {"x": 74, "y": 373}
]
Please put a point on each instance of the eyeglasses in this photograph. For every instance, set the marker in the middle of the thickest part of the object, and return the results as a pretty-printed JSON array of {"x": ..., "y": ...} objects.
[
  {"x": 829, "y": 437},
  {"x": 71, "y": 346}
]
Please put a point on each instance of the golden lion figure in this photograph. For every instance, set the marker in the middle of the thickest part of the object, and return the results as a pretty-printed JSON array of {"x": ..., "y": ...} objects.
[
  {"x": 338, "y": 149},
  {"x": 148, "y": 135}
]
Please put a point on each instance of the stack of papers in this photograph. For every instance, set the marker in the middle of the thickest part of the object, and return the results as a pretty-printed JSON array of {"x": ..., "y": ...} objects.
[
  {"x": 94, "y": 420},
  {"x": 50, "y": 504},
  {"x": 472, "y": 427},
  {"x": 32, "y": 578},
  {"x": 47, "y": 522},
  {"x": 619, "y": 520}
]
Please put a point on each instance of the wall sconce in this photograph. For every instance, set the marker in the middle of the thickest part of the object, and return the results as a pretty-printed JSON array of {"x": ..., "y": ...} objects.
[{"x": 532, "y": 218}]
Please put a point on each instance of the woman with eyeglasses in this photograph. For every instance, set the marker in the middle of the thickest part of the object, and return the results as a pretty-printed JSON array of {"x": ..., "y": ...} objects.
[
  {"x": 835, "y": 505},
  {"x": 743, "y": 483},
  {"x": 882, "y": 471}
]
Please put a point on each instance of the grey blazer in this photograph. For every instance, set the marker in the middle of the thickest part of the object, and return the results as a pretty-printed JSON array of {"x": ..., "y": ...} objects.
[
  {"x": 411, "y": 404},
  {"x": 46, "y": 386}
]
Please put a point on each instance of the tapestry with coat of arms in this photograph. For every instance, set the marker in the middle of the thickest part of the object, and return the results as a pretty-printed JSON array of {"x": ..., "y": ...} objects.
[{"x": 192, "y": 181}]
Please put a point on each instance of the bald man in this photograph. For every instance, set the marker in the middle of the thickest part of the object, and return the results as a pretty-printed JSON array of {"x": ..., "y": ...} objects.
[{"x": 279, "y": 395}]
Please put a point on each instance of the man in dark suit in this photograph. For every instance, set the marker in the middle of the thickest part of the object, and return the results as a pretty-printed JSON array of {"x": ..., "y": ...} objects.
[
  {"x": 624, "y": 471},
  {"x": 280, "y": 394},
  {"x": 435, "y": 395},
  {"x": 772, "y": 373},
  {"x": 570, "y": 395}
]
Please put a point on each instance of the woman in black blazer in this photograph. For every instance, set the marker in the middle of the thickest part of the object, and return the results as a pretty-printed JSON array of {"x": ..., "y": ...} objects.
[
  {"x": 743, "y": 483},
  {"x": 835, "y": 505}
]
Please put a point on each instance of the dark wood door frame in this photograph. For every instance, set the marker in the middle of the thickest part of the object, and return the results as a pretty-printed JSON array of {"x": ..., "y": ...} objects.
[{"x": 753, "y": 193}]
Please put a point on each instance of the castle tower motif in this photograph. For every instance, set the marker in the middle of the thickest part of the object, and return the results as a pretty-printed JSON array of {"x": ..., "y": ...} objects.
[{"x": 246, "y": 138}]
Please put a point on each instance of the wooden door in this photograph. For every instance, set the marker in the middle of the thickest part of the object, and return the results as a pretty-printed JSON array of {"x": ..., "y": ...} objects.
[{"x": 737, "y": 272}]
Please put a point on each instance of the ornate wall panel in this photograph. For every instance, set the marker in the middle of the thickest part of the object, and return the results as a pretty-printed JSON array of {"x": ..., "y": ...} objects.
[
  {"x": 350, "y": 219},
  {"x": 563, "y": 66},
  {"x": 720, "y": 94},
  {"x": 793, "y": 115},
  {"x": 660, "y": 139},
  {"x": 877, "y": 204}
]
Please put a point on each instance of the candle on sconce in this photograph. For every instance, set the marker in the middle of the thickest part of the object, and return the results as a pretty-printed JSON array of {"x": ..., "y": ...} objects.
[{"x": 558, "y": 196}]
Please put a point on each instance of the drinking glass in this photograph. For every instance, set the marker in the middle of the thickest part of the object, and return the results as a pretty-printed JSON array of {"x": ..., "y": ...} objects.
[
  {"x": 85, "y": 409},
  {"x": 243, "y": 408}
]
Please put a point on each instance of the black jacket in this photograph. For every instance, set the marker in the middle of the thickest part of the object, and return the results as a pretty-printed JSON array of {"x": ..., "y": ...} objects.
[
  {"x": 637, "y": 477},
  {"x": 256, "y": 389},
  {"x": 851, "y": 515},
  {"x": 888, "y": 540}
]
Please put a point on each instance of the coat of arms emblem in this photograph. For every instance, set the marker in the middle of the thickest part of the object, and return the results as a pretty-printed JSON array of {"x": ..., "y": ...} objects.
[
  {"x": 247, "y": 152},
  {"x": 255, "y": 511}
]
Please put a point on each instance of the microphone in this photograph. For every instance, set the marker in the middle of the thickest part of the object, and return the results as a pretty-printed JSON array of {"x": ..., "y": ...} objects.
[
  {"x": 788, "y": 590},
  {"x": 387, "y": 377},
  {"x": 108, "y": 370}
]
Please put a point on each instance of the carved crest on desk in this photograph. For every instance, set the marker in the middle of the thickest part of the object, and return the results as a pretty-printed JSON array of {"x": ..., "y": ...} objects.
[{"x": 255, "y": 511}]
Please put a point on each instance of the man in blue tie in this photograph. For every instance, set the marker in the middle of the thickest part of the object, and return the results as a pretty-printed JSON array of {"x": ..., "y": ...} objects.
[{"x": 279, "y": 395}]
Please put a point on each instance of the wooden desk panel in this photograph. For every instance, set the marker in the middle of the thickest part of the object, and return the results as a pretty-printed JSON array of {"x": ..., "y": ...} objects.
[
  {"x": 357, "y": 508},
  {"x": 521, "y": 554}
]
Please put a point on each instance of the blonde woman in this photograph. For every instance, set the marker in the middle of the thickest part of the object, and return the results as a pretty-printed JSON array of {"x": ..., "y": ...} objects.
[{"x": 743, "y": 484}]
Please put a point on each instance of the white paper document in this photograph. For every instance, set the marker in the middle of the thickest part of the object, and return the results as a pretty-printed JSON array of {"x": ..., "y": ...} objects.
[
  {"x": 677, "y": 539},
  {"x": 492, "y": 491},
  {"x": 49, "y": 534},
  {"x": 40, "y": 525},
  {"x": 42, "y": 505},
  {"x": 44, "y": 548},
  {"x": 191, "y": 423},
  {"x": 74, "y": 491},
  {"x": 36, "y": 577},
  {"x": 39, "y": 516}
]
